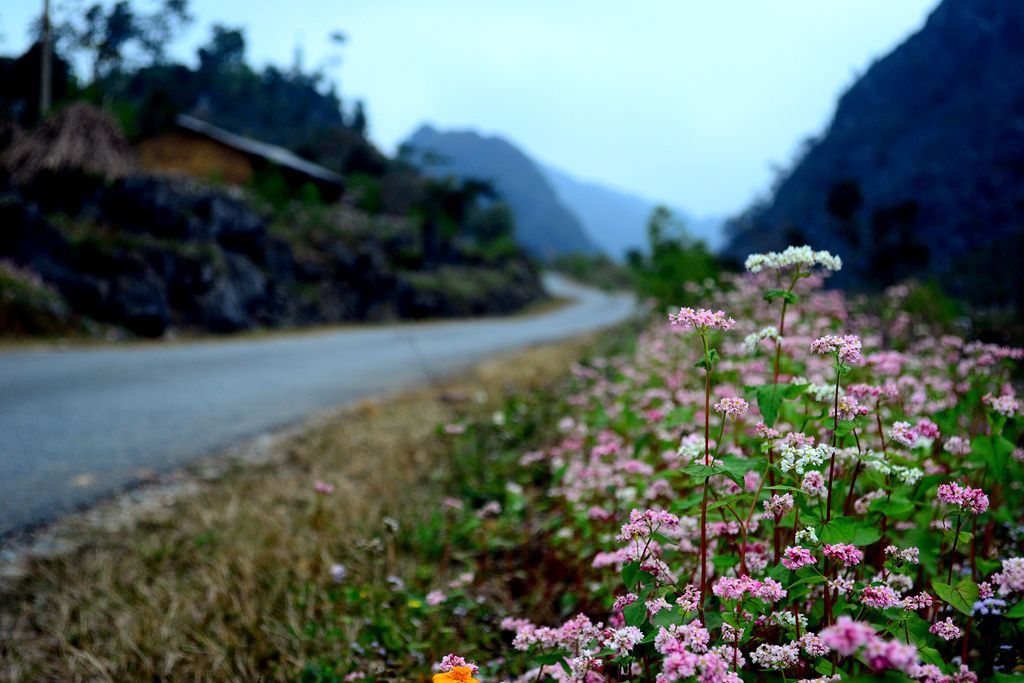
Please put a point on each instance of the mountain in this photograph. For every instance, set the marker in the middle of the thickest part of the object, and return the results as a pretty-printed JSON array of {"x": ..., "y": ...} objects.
[
  {"x": 921, "y": 170},
  {"x": 544, "y": 226},
  {"x": 617, "y": 220}
]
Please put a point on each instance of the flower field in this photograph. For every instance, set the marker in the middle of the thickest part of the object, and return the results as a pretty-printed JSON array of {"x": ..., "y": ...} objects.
[{"x": 774, "y": 487}]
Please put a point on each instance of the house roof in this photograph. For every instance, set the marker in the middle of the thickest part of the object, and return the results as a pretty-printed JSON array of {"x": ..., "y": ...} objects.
[{"x": 272, "y": 153}]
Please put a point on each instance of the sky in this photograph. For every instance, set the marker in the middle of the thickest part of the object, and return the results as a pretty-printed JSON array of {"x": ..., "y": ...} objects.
[{"x": 693, "y": 103}]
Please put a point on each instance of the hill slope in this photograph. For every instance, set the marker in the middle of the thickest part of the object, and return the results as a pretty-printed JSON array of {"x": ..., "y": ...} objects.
[
  {"x": 617, "y": 220},
  {"x": 921, "y": 170},
  {"x": 544, "y": 226}
]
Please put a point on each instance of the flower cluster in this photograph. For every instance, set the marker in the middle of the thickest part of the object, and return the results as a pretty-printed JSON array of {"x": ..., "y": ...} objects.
[
  {"x": 702, "y": 319},
  {"x": 964, "y": 497},
  {"x": 802, "y": 258},
  {"x": 846, "y": 348}
]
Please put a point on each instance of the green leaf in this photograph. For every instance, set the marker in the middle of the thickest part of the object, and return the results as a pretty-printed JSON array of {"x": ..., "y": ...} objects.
[
  {"x": 1017, "y": 611},
  {"x": 961, "y": 596},
  {"x": 635, "y": 613},
  {"x": 769, "y": 400},
  {"x": 848, "y": 530},
  {"x": 788, "y": 297},
  {"x": 629, "y": 574},
  {"x": 709, "y": 359}
]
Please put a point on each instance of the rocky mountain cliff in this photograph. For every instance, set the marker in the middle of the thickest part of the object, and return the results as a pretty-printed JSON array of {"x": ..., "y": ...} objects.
[
  {"x": 921, "y": 171},
  {"x": 544, "y": 225}
]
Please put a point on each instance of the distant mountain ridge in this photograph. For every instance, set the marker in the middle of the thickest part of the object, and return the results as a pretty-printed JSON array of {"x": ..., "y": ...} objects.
[
  {"x": 617, "y": 220},
  {"x": 921, "y": 171},
  {"x": 544, "y": 226}
]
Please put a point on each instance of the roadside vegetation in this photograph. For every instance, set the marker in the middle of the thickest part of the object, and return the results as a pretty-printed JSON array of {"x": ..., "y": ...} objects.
[{"x": 781, "y": 484}]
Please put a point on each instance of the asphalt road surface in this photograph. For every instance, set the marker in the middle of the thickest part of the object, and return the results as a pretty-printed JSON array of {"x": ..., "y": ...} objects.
[{"x": 79, "y": 424}]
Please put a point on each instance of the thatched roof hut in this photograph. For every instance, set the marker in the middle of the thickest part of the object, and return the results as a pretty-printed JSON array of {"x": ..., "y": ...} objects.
[{"x": 78, "y": 138}]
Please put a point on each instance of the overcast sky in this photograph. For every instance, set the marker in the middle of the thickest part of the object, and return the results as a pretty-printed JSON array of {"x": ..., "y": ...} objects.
[{"x": 688, "y": 102}]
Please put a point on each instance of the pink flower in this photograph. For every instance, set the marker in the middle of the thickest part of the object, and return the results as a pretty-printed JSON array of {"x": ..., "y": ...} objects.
[
  {"x": 963, "y": 497},
  {"x": 796, "y": 556},
  {"x": 1006, "y": 404},
  {"x": 847, "y": 636},
  {"x": 435, "y": 598},
  {"x": 323, "y": 487},
  {"x": 903, "y": 433},
  {"x": 732, "y": 406},
  {"x": 848, "y": 554},
  {"x": 778, "y": 505},
  {"x": 881, "y": 597},
  {"x": 846, "y": 349},
  {"x": 450, "y": 661},
  {"x": 643, "y": 524},
  {"x": 957, "y": 445},
  {"x": 946, "y": 630},
  {"x": 702, "y": 319},
  {"x": 813, "y": 483}
]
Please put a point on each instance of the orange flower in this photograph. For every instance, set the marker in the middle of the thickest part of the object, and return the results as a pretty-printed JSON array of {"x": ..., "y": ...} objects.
[{"x": 459, "y": 674}]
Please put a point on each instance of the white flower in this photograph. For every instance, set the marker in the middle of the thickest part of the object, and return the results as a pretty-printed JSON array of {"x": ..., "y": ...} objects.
[{"x": 803, "y": 258}]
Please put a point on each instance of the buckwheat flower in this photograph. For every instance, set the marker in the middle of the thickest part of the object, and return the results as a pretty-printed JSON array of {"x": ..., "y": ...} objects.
[
  {"x": 701, "y": 319},
  {"x": 957, "y": 445},
  {"x": 964, "y": 497},
  {"x": 657, "y": 605},
  {"x": 910, "y": 555},
  {"x": 452, "y": 661},
  {"x": 946, "y": 630},
  {"x": 802, "y": 258},
  {"x": 338, "y": 572},
  {"x": 778, "y": 505},
  {"x": 776, "y": 656},
  {"x": 490, "y": 509},
  {"x": 751, "y": 341},
  {"x": 806, "y": 536},
  {"x": 624, "y": 600},
  {"x": 849, "y": 408},
  {"x": 323, "y": 488},
  {"x": 813, "y": 645},
  {"x": 846, "y": 348},
  {"x": 643, "y": 524},
  {"x": 889, "y": 654},
  {"x": 1011, "y": 578},
  {"x": 848, "y": 554},
  {"x": 846, "y": 636},
  {"x": 732, "y": 406},
  {"x": 1006, "y": 404},
  {"x": 927, "y": 429},
  {"x": 985, "y": 590},
  {"x": 880, "y": 597},
  {"x": 689, "y": 598},
  {"x": 813, "y": 483},
  {"x": 769, "y": 590},
  {"x": 903, "y": 433},
  {"x": 622, "y": 640},
  {"x": 751, "y": 480},
  {"x": 451, "y": 503},
  {"x": 841, "y": 586},
  {"x": 795, "y": 557},
  {"x": 801, "y": 458},
  {"x": 917, "y": 602},
  {"x": 765, "y": 432},
  {"x": 435, "y": 598}
]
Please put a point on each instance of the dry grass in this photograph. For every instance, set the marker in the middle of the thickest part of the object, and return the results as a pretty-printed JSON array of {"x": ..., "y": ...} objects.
[{"x": 205, "y": 589}]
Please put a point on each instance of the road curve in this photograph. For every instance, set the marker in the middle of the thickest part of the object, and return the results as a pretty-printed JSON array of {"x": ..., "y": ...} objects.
[{"x": 79, "y": 424}]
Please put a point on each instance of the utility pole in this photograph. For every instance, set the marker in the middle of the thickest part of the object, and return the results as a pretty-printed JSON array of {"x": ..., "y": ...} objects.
[{"x": 45, "y": 90}]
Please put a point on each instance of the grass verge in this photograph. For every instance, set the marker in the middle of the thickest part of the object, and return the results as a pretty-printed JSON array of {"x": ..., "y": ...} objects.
[{"x": 241, "y": 580}]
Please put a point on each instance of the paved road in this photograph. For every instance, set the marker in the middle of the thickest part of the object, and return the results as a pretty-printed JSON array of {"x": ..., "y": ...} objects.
[{"x": 78, "y": 424}]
